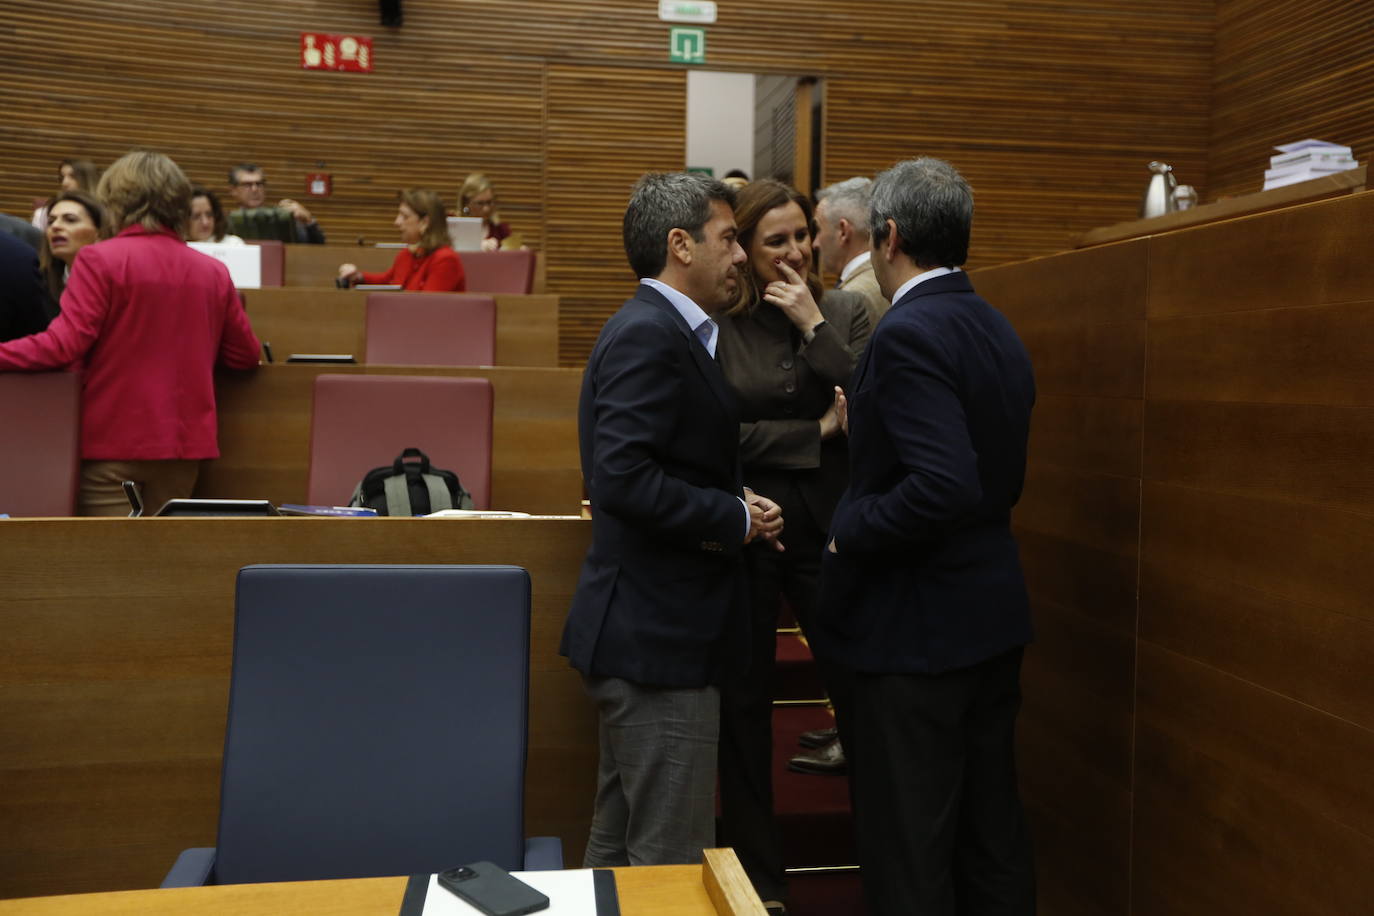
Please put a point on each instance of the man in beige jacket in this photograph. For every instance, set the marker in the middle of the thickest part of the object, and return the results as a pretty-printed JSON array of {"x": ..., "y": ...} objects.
[{"x": 842, "y": 219}]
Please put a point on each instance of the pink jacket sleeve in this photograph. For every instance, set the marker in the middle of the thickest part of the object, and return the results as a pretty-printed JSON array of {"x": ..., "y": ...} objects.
[{"x": 85, "y": 305}]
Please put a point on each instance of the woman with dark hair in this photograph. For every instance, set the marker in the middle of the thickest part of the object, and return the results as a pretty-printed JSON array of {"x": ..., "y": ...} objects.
[
  {"x": 72, "y": 175},
  {"x": 145, "y": 319},
  {"x": 208, "y": 220},
  {"x": 428, "y": 263},
  {"x": 784, "y": 348},
  {"x": 75, "y": 219}
]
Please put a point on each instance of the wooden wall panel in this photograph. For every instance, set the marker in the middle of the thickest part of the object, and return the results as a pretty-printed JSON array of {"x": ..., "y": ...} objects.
[
  {"x": 1286, "y": 72},
  {"x": 606, "y": 127},
  {"x": 1253, "y": 708},
  {"x": 1081, "y": 317}
]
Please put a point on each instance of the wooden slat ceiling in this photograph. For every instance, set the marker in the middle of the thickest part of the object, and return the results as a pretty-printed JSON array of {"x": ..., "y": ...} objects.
[
  {"x": 1051, "y": 107},
  {"x": 1288, "y": 72}
]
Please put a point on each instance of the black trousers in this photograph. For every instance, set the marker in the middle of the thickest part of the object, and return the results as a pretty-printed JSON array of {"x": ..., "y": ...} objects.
[
  {"x": 938, "y": 818},
  {"x": 747, "y": 821}
]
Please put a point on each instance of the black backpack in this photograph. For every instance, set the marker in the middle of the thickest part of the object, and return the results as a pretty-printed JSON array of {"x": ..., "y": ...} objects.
[{"x": 409, "y": 486}]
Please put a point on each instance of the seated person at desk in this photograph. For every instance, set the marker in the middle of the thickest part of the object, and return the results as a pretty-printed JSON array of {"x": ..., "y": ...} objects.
[
  {"x": 428, "y": 263},
  {"x": 288, "y": 221},
  {"x": 145, "y": 319},
  {"x": 208, "y": 221},
  {"x": 478, "y": 198}
]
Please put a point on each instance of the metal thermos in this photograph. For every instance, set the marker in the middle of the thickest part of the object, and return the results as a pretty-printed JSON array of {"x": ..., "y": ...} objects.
[{"x": 1159, "y": 194}]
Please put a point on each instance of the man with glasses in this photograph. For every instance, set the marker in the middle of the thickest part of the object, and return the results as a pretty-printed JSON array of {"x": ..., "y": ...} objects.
[{"x": 288, "y": 221}]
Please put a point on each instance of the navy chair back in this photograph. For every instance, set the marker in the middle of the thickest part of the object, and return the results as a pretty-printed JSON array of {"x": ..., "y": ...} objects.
[{"x": 377, "y": 722}]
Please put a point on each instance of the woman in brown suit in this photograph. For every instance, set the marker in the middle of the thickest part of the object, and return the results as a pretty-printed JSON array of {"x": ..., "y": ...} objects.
[{"x": 784, "y": 348}]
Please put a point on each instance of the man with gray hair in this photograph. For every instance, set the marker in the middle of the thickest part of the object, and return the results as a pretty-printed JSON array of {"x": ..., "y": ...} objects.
[
  {"x": 659, "y": 617},
  {"x": 922, "y": 595},
  {"x": 843, "y": 236}
]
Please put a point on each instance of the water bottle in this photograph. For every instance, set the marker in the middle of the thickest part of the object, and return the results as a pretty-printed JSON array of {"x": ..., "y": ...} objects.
[{"x": 1159, "y": 194}]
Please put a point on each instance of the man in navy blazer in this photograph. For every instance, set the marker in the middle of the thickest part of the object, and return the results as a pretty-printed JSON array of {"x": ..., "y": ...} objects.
[
  {"x": 659, "y": 617},
  {"x": 922, "y": 591}
]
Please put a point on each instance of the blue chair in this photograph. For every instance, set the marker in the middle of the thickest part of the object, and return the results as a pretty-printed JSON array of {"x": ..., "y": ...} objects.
[{"x": 377, "y": 726}]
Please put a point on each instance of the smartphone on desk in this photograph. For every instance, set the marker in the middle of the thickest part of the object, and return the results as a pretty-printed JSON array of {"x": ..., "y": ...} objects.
[{"x": 492, "y": 889}]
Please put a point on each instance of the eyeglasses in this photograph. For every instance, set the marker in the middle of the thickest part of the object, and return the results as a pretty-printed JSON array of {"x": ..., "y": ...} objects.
[
  {"x": 253, "y": 184},
  {"x": 484, "y": 204}
]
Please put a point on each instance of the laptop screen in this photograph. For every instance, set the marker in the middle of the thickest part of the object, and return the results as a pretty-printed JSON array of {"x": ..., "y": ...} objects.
[{"x": 465, "y": 232}]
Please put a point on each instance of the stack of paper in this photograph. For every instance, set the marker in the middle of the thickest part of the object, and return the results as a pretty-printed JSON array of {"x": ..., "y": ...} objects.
[{"x": 1305, "y": 160}]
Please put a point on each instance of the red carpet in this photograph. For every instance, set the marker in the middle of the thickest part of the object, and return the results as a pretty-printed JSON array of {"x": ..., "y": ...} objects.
[{"x": 813, "y": 810}]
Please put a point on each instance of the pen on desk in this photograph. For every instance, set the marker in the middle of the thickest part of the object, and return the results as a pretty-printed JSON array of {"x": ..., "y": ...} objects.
[{"x": 267, "y": 350}]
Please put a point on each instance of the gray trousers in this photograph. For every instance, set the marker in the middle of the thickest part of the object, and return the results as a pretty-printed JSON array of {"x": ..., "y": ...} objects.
[{"x": 656, "y": 782}]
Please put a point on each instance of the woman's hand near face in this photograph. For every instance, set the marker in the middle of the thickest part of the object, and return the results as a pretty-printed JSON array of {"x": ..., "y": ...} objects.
[{"x": 793, "y": 296}]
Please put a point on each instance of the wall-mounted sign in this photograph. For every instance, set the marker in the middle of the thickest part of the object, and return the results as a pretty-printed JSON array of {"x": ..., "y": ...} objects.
[
  {"x": 336, "y": 52},
  {"x": 687, "y": 46},
  {"x": 702, "y": 12}
]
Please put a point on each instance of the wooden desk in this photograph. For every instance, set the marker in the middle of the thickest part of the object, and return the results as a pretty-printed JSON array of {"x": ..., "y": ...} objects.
[
  {"x": 654, "y": 890},
  {"x": 318, "y": 265},
  {"x": 328, "y": 320},
  {"x": 114, "y": 679},
  {"x": 264, "y": 434}
]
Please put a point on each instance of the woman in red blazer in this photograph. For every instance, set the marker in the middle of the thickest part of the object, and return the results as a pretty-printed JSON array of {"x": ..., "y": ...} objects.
[
  {"x": 428, "y": 263},
  {"x": 145, "y": 319}
]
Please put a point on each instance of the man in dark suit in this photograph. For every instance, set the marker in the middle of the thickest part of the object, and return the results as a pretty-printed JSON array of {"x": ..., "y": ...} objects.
[
  {"x": 659, "y": 616},
  {"x": 22, "y": 297},
  {"x": 922, "y": 594}
]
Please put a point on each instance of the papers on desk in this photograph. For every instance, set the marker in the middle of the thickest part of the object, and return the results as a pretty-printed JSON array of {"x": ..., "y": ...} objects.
[
  {"x": 1305, "y": 160},
  {"x": 476, "y": 513},
  {"x": 244, "y": 261},
  {"x": 570, "y": 893}
]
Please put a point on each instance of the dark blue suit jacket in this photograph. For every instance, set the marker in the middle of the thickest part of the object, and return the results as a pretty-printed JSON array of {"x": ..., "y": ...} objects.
[
  {"x": 22, "y": 296},
  {"x": 927, "y": 577},
  {"x": 660, "y": 598}
]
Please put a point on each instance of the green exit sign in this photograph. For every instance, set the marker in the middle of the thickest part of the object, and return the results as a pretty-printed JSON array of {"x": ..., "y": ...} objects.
[{"x": 687, "y": 46}]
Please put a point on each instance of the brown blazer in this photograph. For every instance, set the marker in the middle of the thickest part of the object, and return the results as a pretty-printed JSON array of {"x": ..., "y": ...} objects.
[
  {"x": 783, "y": 386},
  {"x": 865, "y": 282}
]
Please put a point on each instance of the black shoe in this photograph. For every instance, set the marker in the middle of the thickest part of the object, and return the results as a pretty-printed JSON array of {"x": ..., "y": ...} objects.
[
  {"x": 818, "y": 737},
  {"x": 828, "y": 759}
]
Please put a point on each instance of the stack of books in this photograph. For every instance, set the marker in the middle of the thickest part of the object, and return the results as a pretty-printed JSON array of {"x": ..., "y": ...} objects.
[{"x": 1305, "y": 160}]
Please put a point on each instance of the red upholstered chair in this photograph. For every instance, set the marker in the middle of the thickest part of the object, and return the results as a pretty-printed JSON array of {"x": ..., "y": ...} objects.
[
  {"x": 40, "y": 447},
  {"x": 361, "y": 422},
  {"x": 273, "y": 262},
  {"x": 431, "y": 329},
  {"x": 499, "y": 271}
]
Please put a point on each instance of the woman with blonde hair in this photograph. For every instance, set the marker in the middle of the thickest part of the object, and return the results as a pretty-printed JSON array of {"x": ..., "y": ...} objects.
[
  {"x": 478, "y": 198},
  {"x": 428, "y": 263},
  {"x": 784, "y": 348},
  {"x": 145, "y": 319}
]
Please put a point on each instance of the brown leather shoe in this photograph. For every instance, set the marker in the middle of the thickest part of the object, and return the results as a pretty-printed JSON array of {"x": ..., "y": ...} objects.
[
  {"x": 828, "y": 759},
  {"x": 818, "y": 737}
]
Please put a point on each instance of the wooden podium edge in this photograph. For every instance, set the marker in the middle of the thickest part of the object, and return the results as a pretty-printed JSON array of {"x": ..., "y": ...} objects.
[
  {"x": 1351, "y": 181},
  {"x": 726, "y": 884}
]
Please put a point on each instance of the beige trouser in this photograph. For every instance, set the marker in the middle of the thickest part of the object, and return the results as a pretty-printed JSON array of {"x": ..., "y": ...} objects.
[{"x": 102, "y": 485}]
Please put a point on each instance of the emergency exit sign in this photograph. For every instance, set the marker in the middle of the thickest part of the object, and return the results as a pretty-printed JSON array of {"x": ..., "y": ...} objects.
[
  {"x": 700, "y": 12},
  {"x": 687, "y": 46}
]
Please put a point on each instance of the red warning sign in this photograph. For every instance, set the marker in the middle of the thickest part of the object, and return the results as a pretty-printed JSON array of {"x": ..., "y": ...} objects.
[{"x": 336, "y": 52}]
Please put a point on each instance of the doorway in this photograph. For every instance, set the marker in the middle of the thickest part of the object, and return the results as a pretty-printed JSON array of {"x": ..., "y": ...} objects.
[{"x": 765, "y": 125}]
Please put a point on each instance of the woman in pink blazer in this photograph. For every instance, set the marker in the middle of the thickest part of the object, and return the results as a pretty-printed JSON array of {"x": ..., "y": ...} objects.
[{"x": 145, "y": 319}]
